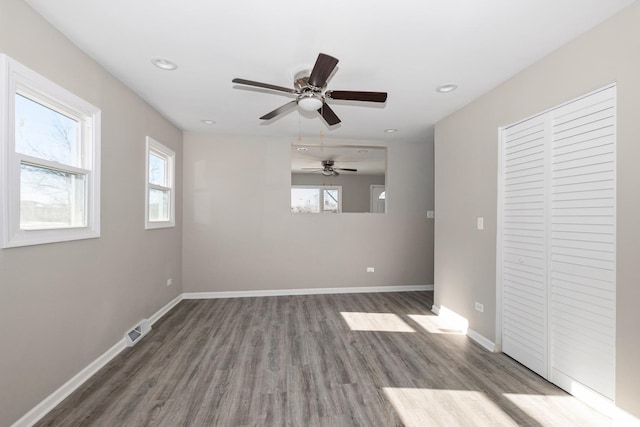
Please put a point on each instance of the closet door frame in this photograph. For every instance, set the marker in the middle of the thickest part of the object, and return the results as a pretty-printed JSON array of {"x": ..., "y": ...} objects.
[{"x": 583, "y": 393}]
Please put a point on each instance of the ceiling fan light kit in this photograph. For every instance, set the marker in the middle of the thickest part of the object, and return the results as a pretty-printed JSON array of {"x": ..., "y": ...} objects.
[
  {"x": 310, "y": 102},
  {"x": 311, "y": 93}
]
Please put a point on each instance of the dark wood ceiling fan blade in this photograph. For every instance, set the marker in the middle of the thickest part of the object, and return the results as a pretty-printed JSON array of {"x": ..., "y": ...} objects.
[
  {"x": 350, "y": 95},
  {"x": 346, "y": 169},
  {"x": 264, "y": 85},
  {"x": 322, "y": 70},
  {"x": 279, "y": 110},
  {"x": 328, "y": 115}
]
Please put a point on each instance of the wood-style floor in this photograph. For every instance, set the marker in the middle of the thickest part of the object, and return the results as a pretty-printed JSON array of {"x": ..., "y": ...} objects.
[{"x": 321, "y": 360}]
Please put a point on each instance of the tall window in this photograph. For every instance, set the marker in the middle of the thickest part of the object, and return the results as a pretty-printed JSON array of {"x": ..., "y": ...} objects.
[
  {"x": 160, "y": 199},
  {"x": 316, "y": 199},
  {"x": 50, "y": 153}
]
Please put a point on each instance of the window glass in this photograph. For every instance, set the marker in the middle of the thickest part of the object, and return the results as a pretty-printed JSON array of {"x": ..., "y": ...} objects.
[
  {"x": 159, "y": 207},
  {"x": 305, "y": 200},
  {"x": 316, "y": 199},
  {"x": 157, "y": 169},
  {"x": 51, "y": 198},
  {"x": 331, "y": 203},
  {"x": 45, "y": 133}
]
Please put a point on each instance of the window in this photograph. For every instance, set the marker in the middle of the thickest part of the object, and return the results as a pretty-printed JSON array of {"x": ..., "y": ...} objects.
[
  {"x": 50, "y": 157},
  {"x": 160, "y": 197},
  {"x": 316, "y": 199}
]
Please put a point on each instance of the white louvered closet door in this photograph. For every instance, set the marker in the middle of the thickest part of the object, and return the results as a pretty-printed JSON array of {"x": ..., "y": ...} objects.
[
  {"x": 583, "y": 261},
  {"x": 558, "y": 262},
  {"x": 524, "y": 289}
]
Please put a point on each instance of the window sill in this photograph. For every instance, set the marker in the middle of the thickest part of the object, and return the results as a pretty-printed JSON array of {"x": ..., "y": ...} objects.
[
  {"x": 159, "y": 224},
  {"x": 41, "y": 237}
]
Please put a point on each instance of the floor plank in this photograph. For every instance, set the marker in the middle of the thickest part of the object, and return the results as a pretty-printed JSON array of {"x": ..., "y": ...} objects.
[{"x": 319, "y": 360}]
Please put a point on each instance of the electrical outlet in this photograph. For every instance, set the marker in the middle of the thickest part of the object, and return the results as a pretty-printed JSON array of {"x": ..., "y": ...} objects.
[
  {"x": 480, "y": 223},
  {"x": 169, "y": 282},
  {"x": 479, "y": 307},
  {"x": 370, "y": 269}
]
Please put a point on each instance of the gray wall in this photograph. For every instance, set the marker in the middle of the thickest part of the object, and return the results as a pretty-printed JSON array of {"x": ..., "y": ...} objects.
[
  {"x": 466, "y": 153},
  {"x": 64, "y": 304},
  {"x": 239, "y": 233},
  {"x": 356, "y": 188}
]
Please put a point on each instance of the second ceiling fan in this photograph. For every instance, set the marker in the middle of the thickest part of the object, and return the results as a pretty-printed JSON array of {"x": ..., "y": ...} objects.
[
  {"x": 328, "y": 169},
  {"x": 311, "y": 93}
]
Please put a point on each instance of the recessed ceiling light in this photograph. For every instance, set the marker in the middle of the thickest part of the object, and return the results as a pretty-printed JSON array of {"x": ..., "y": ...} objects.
[
  {"x": 449, "y": 87},
  {"x": 164, "y": 64},
  {"x": 391, "y": 130},
  {"x": 208, "y": 122},
  {"x": 302, "y": 149}
]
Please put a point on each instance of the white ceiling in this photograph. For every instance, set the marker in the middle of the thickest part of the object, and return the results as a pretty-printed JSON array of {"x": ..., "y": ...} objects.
[{"x": 406, "y": 48}]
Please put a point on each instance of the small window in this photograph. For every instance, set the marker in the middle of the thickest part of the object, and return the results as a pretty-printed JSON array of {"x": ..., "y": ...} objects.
[
  {"x": 160, "y": 197},
  {"x": 316, "y": 199},
  {"x": 51, "y": 152}
]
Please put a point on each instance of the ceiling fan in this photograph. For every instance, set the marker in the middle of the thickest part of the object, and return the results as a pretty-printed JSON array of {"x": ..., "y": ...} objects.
[
  {"x": 327, "y": 169},
  {"x": 311, "y": 93}
]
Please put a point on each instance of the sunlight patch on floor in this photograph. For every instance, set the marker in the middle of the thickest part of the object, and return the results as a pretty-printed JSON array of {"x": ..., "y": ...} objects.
[
  {"x": 553, "y": 410},
  {"x": 418, "y": 407},
  {"x": 375, "y": 322},
  {"x": 436, "y": 324},
  {"x": 454, "y": 319}
]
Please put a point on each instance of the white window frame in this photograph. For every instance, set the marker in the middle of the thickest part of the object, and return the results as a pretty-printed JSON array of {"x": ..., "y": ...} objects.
[
  {"x": 16, "y": 78},
  {"x": 160, "y": 150},
  {"x": 321, "y": 189}
]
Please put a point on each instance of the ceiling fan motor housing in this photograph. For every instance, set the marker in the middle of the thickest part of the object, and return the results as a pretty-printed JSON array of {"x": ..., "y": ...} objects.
[{"x": 301, "y": 79}]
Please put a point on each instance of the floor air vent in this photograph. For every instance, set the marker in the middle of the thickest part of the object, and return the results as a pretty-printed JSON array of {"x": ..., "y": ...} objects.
[{"x": 133, "y": 336}]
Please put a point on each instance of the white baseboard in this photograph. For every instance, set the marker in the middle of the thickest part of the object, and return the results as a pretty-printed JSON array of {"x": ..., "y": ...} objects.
[
  {"x": 311, "y": 291},
  {"x": 622, "y": 418},
  {"x": 43, "y": 408},
  {"x": 164, "y": 310},
  {"x": 482, "y": 340},
  {"x": 600, "y": 403}
]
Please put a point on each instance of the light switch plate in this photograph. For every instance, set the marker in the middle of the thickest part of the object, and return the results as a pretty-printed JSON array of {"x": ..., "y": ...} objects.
[{"x": 480, "y": 223}]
